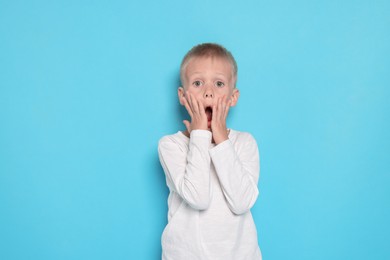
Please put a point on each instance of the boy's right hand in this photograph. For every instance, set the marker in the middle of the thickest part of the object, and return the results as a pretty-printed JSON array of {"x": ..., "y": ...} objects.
[{"x": 197, "y": 113}]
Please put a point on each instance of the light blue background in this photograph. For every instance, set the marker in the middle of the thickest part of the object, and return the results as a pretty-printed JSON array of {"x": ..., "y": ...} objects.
[{"x": 87, "y": 88}]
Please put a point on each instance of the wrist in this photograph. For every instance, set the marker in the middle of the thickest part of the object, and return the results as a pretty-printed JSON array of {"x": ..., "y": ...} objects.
[
  {"x": 220, "y": 139},
  {"x": 199, "y": 127},
  {"x": 203, "y": 134}
]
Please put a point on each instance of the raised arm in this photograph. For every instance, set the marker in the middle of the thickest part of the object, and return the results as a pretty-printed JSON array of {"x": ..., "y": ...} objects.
[
  {"x": 188, "y": 172},
  {"x": 238, "y": 168}
]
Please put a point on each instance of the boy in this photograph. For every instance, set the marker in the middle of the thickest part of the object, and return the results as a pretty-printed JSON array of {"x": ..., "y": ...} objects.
[{"x": 211, "y": 171}]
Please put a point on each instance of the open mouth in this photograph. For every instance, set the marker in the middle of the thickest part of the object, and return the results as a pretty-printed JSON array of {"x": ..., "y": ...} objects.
[{"x": 209, "y": 113}]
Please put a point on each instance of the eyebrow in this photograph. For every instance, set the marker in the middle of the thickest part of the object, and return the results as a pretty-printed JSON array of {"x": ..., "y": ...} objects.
[{"x": 221, "y": 74}]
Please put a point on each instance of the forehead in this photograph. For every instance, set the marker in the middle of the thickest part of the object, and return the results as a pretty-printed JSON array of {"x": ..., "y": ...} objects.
[{"x": 206, "y": 64}]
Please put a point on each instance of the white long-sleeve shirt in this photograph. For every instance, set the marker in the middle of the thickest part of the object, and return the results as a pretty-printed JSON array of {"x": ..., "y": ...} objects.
[{"x": 212, "y": 189}]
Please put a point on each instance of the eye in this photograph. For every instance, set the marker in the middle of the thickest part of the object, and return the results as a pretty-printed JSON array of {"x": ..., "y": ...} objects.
[
  {"x": 220, "y": 84},
  {"x": 197, "y": 83}
]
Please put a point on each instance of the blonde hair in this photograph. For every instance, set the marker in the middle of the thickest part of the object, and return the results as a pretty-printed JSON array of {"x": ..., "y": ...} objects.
[{"x": 208, "y": 50}]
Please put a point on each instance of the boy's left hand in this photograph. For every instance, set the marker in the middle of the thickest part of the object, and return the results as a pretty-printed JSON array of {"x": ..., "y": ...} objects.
[{"x": 218, "y": 121}]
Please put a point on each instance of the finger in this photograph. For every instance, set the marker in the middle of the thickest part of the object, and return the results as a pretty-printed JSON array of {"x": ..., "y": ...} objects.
[
  {"x": 214, "y": 114},
  {"x": 201, "y": 108},
  {"x": 194, "y": 103},
  {"x": 220, "y": 108},
  {"x": 224, "y": 104},
  {"x": 192, "y": 99},
  {"x": 188, "y": 97},
  {"x": 223, "y": 108},
  {"x": 187, "y": 106},
  {"x": 228, "y": 104}
]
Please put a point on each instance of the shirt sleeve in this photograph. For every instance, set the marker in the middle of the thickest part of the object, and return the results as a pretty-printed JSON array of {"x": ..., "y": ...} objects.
[
  {"x": 238, "y": 169},
  {"x": 188, "y": 172}
]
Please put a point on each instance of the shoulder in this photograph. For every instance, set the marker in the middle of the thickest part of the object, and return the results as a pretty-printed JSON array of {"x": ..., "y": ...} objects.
[
  {"x": 244, "y": 142},
  {"x": 176, "y": 137},
  {"x": 241, "y": 137},
  {"x": 177, "y": 140}
]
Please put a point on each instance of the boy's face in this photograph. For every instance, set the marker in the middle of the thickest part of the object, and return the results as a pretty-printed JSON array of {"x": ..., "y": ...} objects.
[{"x": 209, "y": 79}]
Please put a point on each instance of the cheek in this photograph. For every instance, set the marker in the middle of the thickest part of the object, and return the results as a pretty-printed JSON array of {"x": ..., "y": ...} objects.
[
  {"x": 224, "y": 92},
  {"x": 194, "y": 92}
]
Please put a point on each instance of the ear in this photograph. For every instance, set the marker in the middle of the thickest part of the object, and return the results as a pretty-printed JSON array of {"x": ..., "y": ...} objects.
[
  {"x": 234, "y": 97},
  {"x": 180, "y": 94}
]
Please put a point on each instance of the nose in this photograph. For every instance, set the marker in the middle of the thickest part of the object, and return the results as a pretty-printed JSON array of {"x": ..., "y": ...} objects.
[{"x": 208, "y": 93}]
